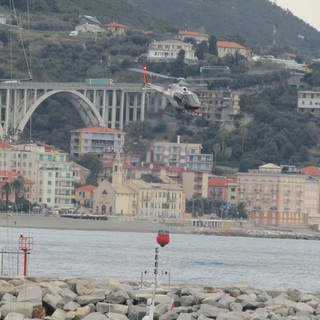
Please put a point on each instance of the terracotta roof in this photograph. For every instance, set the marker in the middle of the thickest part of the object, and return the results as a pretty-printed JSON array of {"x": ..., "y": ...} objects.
[
  {"x": 86, "y": 188},
  {"x": 98, "y": 129},
  {"x": 191, "y": 33},
  {"x": 219, "y": 182},
  {"x": 116, "y": 25},
  {"x": 312, "y": 171},
  {"x": 5, "y": 145},
  {"x": 227, "y": 44},
  {"x": 11, "y": 175},
  {"x": 125, "y": 165}
]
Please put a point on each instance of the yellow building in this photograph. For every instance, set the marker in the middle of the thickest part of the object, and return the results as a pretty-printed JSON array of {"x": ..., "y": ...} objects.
[
  {"x": 138, "y": 198},
  {"x": 84, "y": 196},
  {"x": 230, "y": 48},
  {"x": 158, "y": 200},
  {"x": 277, "y": 195}
]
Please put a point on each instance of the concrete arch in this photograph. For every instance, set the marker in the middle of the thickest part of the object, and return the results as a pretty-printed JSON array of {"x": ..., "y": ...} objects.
[{"x": 93, "y": 116}]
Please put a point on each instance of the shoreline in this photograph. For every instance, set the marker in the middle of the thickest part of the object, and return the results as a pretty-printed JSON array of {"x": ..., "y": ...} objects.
[{"x": 37, "y": 221}]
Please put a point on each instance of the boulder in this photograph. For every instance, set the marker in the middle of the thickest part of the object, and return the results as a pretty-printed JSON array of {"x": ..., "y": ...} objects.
[
  {"x": 52, "y": 300},
  {"x": 83, "y": 312},
  {"x": 136, "y": 312},
  {"x": 111, "y": 308},
  {"x": 94, "y": 297},
  {"x": 84, "y": 287},
  {"x": 71, "y": 306},
  {"x": 14, "y": 316},
  {"x": 6, "y": 287},
  {"x": 31, "y": 293},
  {"x": 24, "y": 308}
]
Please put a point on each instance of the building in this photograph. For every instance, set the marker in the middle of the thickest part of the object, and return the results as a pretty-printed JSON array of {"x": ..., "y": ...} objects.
[
  {"x": 97, "y": 140},
  {"x": 223, "y": 189},
  {"x": 53, "y": 174},
  {"x": 89, "y": 19},
  {"x": 8, "y": 177},
  {"x": 88, "y": 27},
  {"x": 230, "y": 48},
  {"x": 198, "y": 36},
  {"x": 158, "y": 200},
  {"x": 309, "y": 101},
  {"x": 117, "y": 29},
  {"x": 220, "y": 105},
  {"x": 180, "y": 155},
  {"x": 137, "y": 198},
  {"x": 169, "y": 50},
  {"x": 84, "y": 196},
  {"x": 194, "y": 182},
  {"x": 274, "y": 195}
]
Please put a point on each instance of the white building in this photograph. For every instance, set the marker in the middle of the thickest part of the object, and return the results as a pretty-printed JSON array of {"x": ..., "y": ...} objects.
[
  {"x": 53, "y": 174},
  {"x": 180, "y": 155},
  {"x": 309, "y": 101},
  {"x": 169, "y": 50},
  {"x": 96, "y": 140}
]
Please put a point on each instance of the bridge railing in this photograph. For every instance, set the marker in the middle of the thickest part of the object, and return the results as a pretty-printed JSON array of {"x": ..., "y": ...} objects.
[{"x": 68, "y": 85}]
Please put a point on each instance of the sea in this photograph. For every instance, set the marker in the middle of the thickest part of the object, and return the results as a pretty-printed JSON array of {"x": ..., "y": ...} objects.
[{"x": 188, "y": 259}]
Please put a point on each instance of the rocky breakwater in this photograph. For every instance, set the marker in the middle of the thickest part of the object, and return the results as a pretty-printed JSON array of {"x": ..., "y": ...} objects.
[{"x": 61, "y": 299}]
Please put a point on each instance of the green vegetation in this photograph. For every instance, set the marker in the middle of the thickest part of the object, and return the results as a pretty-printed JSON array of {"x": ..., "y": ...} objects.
[{"x": 275, "y": 132}]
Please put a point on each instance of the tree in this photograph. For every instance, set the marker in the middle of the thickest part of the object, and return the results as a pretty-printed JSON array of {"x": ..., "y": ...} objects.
[
  {"x": 243, "y": 134},
  {"x": 178, "y": 66},
  {"x": 18, "y": 186},
  {"x": 228, "y": 153},
  {"x": 213, "y": 45},
  {"x": 6, "y": 188},
  {"x": 148, "y": 177},
  {"x": 216, "y": 151},
  {"x": 201, "y": 49},
  {"x": 92, "y": 162}
]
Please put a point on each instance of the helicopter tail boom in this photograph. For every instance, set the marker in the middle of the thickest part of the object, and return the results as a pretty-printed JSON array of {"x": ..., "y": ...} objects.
[{"x": 145, "y": 76}]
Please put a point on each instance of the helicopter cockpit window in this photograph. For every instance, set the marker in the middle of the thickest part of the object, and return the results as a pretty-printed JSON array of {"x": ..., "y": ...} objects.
[{"x": 191, "y": 99}]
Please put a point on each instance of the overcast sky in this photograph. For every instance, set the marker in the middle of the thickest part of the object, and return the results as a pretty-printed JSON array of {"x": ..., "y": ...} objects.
[{"x": 307, "y": 10}]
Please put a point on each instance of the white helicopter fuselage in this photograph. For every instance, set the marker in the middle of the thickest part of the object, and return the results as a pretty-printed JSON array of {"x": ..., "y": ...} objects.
[{"x": 178, "y": 95}]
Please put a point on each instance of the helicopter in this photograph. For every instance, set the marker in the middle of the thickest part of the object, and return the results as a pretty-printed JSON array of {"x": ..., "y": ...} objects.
[{"x": 182, "y": 99}]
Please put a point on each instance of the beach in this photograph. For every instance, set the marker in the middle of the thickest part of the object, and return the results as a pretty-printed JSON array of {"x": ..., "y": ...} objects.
[{"x": 13, "y": 220}]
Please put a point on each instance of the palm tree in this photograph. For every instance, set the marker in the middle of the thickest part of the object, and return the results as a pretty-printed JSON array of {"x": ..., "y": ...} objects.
[
  {"x": 18, "y": 186},
  {"x": 6, "y": 188}
]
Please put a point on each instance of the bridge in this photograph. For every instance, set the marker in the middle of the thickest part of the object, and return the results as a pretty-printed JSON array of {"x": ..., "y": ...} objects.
[{"x": 113, "y": 105}]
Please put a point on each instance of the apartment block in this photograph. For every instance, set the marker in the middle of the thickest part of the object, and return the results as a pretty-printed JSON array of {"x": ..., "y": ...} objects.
[
  {"x": 51, "y": 171},
  {"x": 220, "y": 105},
  {"x": 309, "y": 101},
  {"x": 275, "y": 195},
  {"x": 223, "y": 189},
  {"x": 97, "y": 140},
  {"x": 183, "y": 155}
]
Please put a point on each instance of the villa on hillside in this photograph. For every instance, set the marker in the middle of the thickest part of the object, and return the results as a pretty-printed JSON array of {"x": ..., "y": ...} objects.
[
  {"x": 116, "y": 29},
  {"x": 169, "y": 50},
  {"x": 185, "y": 34},
  {"x": 226, "y": 47}
]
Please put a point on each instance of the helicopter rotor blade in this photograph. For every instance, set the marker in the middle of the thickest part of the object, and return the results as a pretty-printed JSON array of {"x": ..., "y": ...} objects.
[{"x": 150, "y": 73}]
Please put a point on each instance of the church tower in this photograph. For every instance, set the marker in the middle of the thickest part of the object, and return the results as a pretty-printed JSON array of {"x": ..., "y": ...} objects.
[{"x": 117, "y": 170}]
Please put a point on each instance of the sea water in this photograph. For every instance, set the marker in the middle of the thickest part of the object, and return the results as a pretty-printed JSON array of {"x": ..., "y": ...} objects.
[{"x": 199, "y": 259}]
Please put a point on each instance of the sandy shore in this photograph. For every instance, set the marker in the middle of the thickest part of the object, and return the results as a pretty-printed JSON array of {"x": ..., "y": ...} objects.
[{"x": 55, "y": 222}]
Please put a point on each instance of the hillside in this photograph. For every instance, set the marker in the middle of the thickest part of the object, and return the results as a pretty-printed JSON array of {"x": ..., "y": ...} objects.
[{"x": 252, "y": 19}]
